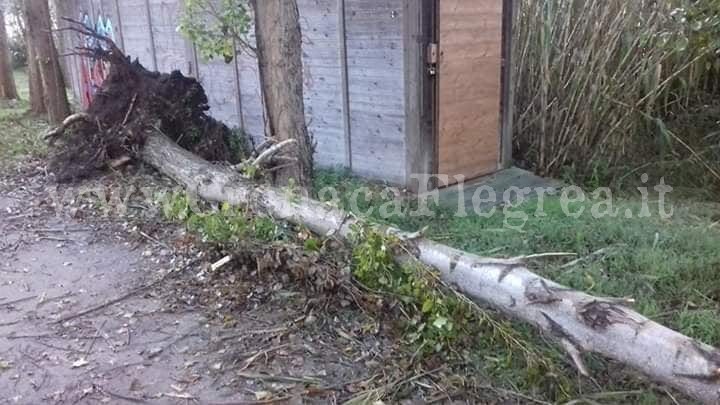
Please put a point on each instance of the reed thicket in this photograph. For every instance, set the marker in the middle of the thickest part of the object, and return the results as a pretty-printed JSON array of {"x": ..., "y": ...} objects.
[{"x": 600, "y": 81}]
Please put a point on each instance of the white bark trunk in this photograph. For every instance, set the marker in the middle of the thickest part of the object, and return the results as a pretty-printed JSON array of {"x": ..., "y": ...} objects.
[{"x": 581, "y": 323}]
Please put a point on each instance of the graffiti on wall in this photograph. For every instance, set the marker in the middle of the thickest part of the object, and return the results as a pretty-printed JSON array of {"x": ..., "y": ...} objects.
[{"x": 93, "y": 71}]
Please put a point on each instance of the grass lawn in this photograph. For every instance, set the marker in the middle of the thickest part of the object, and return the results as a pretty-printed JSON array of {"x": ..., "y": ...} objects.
[
  {"x": 670, "y": 266},
  {"x": 20, "y": 133}
]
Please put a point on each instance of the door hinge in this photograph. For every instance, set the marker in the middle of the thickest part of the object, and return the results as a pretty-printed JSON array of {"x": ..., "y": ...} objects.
[{"x": 432, "y": 58}]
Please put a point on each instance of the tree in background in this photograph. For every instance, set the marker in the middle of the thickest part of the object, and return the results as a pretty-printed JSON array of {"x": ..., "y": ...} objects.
[
  {"x": 219, "y": 28},
  {"x": 7, "y": 80},
  {"x": 35, "y": 86},
  {"x": 43, "y": 55}
]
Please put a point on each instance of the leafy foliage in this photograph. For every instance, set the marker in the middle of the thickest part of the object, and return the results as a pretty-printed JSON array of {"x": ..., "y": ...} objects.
[
  {"x": 227, "y": 224},
  {"x": 440, "y": 322},
  {"x": 698, "y": 24},
  {"x": 217, "y": 28}
]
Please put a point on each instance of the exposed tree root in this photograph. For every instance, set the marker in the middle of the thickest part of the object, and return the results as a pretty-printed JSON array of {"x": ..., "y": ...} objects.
[{"x": 131, "y": 103}]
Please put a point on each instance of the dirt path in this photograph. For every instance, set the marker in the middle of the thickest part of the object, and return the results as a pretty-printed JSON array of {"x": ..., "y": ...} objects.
[{"x": 60, "y": 344}]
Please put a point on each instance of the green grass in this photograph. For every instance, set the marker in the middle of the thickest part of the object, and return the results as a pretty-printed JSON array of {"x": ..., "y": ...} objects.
[
  {"x": 20, "y": 132},
  {"x": 669, "y": 266}
]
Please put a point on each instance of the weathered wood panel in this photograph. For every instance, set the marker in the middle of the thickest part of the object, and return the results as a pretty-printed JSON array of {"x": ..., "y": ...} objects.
[
  {"x": 355, "y": 106},
  {"x": 66, "y": 42},
  {"x": 375, "y": 63},
  {"x": 218, "y": 79},
  {"x": 109, "y": 12},
  {"x": 170, "y": 45},
  {"x": 419, "y": 91},
  {"x": 322, "y": 69},
  {"x": 136, "y": 31},
  {"x": 469, "y": 86},
  {"x": 253, "y": 112}
]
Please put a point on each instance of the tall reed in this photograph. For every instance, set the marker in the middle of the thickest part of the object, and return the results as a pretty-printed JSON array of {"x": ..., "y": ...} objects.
[{"x": 595, "y": 80}]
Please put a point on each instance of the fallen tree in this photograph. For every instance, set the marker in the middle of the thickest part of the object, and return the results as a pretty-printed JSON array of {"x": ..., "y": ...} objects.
[
  {"x": 132, "y": 103},
  {"x": 580, "y": 322}
]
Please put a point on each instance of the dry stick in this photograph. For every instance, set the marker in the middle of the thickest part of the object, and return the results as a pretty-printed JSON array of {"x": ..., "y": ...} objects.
[
  {"x": 97, "y": 335},
  {"x": 266, "y": 155},
  {"x": 154, "y": 240},
  {"x": 272, "y": 151},
  {"x": 17, "y": 301},
  {"x": 115, "y": 300},
  {"x": 129, "y": 111}
]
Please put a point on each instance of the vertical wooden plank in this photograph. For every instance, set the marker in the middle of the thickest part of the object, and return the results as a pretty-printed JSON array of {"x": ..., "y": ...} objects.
[
  {"x": 347, "y": 130},
  {"x": 170, "y": 45},
  {"x": 133, "y": 15},
  {"x": 323, "y": 80},
  {"x": 238, "y": 89},
  {"x": 152, "y": 34},
  {"x": 469, "y": 87},
  {"x": 419, "y": 143},
  {"x": 510, "y": 8},
  {"x": 376, "y": 82},
  {"x": 119, "y": 25}
]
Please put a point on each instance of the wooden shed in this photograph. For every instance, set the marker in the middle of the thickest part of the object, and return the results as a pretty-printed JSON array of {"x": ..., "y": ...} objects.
[{"x": 393, "y": 88}]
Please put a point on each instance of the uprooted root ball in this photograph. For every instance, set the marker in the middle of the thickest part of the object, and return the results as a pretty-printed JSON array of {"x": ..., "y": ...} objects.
[{"x": 131, "y": 103}]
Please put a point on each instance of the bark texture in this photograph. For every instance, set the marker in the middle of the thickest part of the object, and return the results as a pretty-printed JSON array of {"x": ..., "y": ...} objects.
[
  {"x": 578, "y": 321},
  {"x": 279, "y": 52},
  {"x": 7, "y": 80},
  {"x": 40, "y": 39},
  {"x": 35, "y": 85}
]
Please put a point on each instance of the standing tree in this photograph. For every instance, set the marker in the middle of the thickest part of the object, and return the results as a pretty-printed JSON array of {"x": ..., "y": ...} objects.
[
  {"x": 7, "y": 81},
  {"x": 35, "y": 86},
  {"x": 42, "y": 52},
  {"x": 279, "y": 53}
]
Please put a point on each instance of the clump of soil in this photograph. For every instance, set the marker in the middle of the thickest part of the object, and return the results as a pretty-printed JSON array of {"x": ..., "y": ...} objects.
[{"x": 132, "y": 102}]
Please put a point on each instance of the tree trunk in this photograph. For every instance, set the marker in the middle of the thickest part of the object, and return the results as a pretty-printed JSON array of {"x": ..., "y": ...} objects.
[
  {"x": 7, "y": 81},
  {"x": 40, "y": 38},
  {"x": 579, "y": 322},
  {"x": 279, "y": 52},
  {"x": 35, "y": 85}
]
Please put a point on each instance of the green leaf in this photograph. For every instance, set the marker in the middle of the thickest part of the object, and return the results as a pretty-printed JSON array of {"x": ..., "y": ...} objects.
[
  {"x": 428, "y": 305},
  {"x": 440, "y": 322}
]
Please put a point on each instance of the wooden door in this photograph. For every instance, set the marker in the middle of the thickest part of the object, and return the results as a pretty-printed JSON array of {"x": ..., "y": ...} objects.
[{"x": 469, "y": 33}]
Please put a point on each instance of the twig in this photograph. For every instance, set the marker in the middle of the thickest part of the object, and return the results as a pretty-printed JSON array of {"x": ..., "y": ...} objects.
[
  {"x": 266, "y": 155},
  {"x": 115, "y": 300},
  {"x": 60, "y": 230},
  {"x": 543, "y": 256},
  {"x": 257, "y": 355},
  {"x": 278, "y": 378},
  {"x": 121, "y": 161},
  {"x": 218, "y": 264},
  {"x": 122, "y": 397},
  {"x": 253, "y": 333},
  {"x": 154, "y": 240},
  {"x": 44, "y": 300},
  {"x": 59, "y": 239},
  {"x": 258, "y": 402},
  {"x": 129, "y": 111},
  {"x": 97, "y": 335},
  {"x": 18, "y": 301}
]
